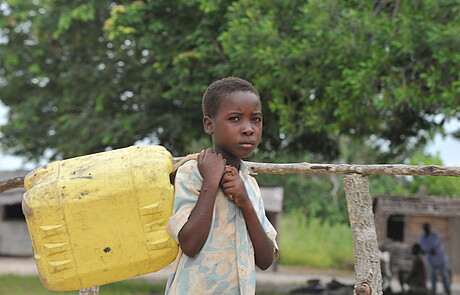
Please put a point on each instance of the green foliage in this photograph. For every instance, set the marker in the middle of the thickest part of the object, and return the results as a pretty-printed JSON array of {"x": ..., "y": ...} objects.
[
  {"x": 435, "y": 186},
  {"x": 82, "y": 93},
  {"x": 84, "y": 77},
  {"x": 315, "y": 243},
  {"x": 407, "y": 185},
  {"x": 316, "y": 196},
  {"x": 320, "y": 197},
  {"x": 347, "y": 67}
]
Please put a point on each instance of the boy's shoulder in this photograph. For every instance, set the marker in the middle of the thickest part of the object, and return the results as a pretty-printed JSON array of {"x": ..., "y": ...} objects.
[
  {"x": 246, "y": 170},
  {"x": 188, "y": 165},
  {"x": 188, "y": 168}
]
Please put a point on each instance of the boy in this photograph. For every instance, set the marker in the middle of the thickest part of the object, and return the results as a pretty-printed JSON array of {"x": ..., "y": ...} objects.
[{"x": 219, "y": 218}]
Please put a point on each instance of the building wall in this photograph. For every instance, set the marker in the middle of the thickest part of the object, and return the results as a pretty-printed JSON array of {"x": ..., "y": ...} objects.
[
  {"x": 414, "y": 227},
  {"x": 441, "y": 213},
  {"x": 446, "y": 227},
  {"x": 454, "y": 258},
  {"x": 14, "y": 238}
]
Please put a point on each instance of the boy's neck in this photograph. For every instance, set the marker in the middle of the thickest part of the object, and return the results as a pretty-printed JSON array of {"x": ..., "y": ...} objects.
[
  {"x": 231, "y": 160},
  {"x": 235, "y": 164}
]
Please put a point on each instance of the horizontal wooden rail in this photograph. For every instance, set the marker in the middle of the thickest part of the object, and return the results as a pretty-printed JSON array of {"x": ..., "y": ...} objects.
[
  {"x": 11, "y": 183},
  {"x": 387, "y": 169},
  {"x": 311, "y": 168}
]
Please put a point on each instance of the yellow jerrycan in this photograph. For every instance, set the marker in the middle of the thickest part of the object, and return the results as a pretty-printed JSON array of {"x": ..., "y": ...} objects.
[{"x": 101, "y": 218}]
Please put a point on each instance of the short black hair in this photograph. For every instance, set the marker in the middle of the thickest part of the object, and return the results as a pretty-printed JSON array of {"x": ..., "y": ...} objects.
[
  {"x": 213, "y": 95},
  {"x": 417, "y": 249},
  {"x": 426, "y": 226}
]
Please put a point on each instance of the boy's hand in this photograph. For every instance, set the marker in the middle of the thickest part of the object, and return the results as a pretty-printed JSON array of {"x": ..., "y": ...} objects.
[
  {"x": 194, "y": 232},
  {"x": 233, "y": 187},
  {"x": 211, "y": 165}
]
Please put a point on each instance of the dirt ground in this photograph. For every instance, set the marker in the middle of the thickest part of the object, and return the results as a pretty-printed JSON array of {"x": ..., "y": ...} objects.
[
  {"x": 331, "y": 282},
  {"x": 285, "y": 280}
]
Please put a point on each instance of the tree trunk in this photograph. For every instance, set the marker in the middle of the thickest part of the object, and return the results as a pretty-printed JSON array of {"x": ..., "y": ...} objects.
[{"x": 367, "y": 263}]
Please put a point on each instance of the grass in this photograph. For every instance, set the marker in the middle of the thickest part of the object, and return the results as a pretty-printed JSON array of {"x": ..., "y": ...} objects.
[
  {"x": 315, "y": 243},
  {"x": 30, "y": 285}
]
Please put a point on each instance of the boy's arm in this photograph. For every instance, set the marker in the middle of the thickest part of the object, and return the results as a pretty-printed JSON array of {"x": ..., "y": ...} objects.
[
  {"x": 193, "y": 234},
  {"x": 233, "y": 185},
  {"x": 263, "y": 246}
]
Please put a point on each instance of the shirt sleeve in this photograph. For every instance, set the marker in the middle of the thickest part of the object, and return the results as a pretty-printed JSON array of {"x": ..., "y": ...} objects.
[
  {"x": 187, "y": 187},
  {"x": 271, "y": 233},
  {"x": 269, "y": 229}
]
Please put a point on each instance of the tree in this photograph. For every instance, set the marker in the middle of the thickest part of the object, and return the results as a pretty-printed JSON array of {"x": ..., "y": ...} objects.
[
  {"x": 354, "y": 68},
  {"x": 63, "y": 82},
  {"x": 81, "y": 78},
  {"x": 73, "y": 91}
]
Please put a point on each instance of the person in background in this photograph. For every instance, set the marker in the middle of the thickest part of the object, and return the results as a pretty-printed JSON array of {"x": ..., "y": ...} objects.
[
  {"x": 416, "y": 278},
  {"x": 437, "y": 260}
]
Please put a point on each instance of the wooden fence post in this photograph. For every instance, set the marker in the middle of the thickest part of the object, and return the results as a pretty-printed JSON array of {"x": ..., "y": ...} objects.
[
  {"x": 89, "y": 291},
  {"x": 367, "y": 263}
]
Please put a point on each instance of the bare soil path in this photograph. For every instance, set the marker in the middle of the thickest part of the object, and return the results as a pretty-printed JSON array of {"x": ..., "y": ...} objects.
[{"x": 284, "y": 279}]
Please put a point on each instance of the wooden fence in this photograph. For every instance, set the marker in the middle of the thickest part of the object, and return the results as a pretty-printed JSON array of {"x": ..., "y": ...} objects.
[{"x": 359, "y": 203}]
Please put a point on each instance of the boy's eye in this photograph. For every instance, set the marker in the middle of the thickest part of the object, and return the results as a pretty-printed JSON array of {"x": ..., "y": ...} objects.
[
  {"x": 234, "y": 118},
  {"x": 257, "y": 119}
]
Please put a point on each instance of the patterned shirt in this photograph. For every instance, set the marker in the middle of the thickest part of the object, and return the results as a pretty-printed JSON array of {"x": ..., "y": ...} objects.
[{"x": 225, "y": 264}]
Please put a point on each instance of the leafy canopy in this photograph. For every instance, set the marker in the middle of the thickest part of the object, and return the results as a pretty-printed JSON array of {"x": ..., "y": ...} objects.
[{"x": 82, "y": 77}]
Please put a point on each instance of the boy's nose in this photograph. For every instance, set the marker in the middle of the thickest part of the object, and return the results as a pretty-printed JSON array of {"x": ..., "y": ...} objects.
[{"x": 248, "y": 130}]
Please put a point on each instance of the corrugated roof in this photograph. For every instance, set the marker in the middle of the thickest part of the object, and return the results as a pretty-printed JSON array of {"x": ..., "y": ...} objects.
[
  {"x": 418, "y": 205},
  {"x": 12, "y": 174},
  {"x": 11, "y": 197}
]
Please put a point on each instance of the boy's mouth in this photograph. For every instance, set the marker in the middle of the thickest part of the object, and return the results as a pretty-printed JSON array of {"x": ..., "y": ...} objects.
[{"x": 247, "y": 145}]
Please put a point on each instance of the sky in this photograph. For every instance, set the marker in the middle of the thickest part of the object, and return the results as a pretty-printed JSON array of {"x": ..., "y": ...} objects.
[{"x": 447, "y": 147}]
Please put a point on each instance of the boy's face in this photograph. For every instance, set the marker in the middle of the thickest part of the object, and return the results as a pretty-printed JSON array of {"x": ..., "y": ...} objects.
[{"x": 236, "y": 129}]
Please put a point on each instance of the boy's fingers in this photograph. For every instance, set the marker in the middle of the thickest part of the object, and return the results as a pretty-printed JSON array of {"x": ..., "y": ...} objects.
[
  {"x": 230, "y": 171},
  {"x": 201, "y": 155}
]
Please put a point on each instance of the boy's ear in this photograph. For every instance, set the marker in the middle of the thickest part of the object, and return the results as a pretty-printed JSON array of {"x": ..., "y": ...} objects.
[{"x": 207, "y": 125}]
